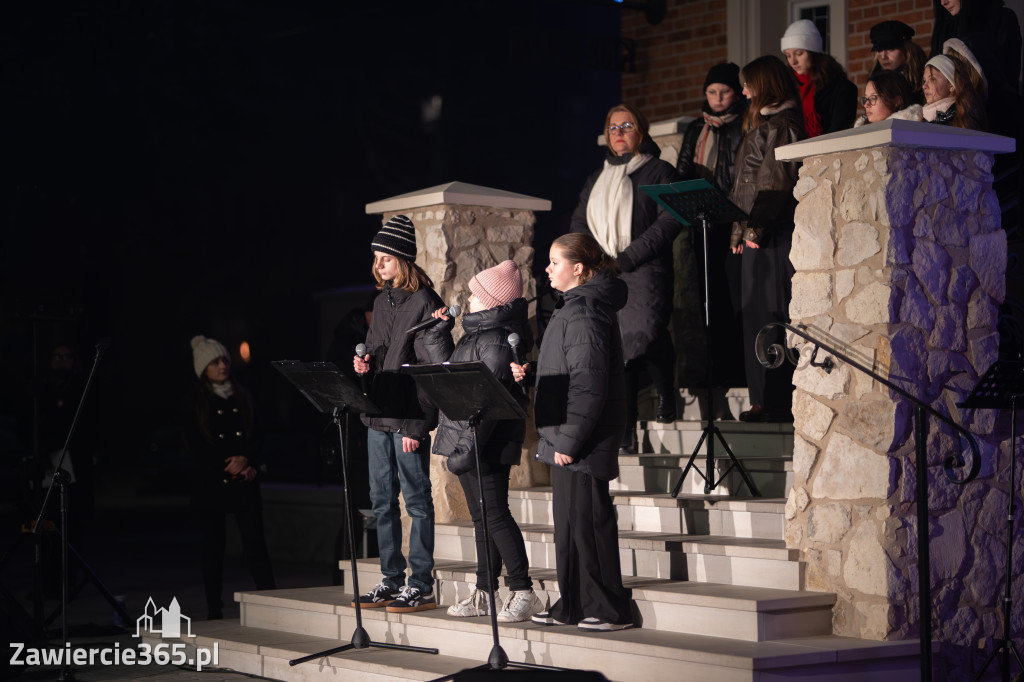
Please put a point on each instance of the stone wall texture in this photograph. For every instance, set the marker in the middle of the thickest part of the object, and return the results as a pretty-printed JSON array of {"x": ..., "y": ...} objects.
[
  {"x": 454, "y": 242},
  {"x": 900, "y": 262}
]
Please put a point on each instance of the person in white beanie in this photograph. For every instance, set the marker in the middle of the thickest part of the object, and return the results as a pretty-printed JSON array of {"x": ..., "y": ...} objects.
[
  {"x": 221, "y": 433},
  {"x": 827, "y": 96},
  {"x": 951, "y": 97},
  {"x": 497, "y": 309}
]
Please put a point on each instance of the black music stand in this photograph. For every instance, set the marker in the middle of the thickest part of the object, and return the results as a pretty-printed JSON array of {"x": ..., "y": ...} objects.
[
  {"x": 469, "y": 391},
  {"x": 690, "y": 202},
  {"x": 1002, "y": 388},
  {"x": 331, "y": 392}
]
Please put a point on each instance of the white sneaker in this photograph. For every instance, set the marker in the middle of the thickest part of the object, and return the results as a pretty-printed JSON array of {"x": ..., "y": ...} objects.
[
  {"x": 476, "y": 604},
  {"x": 520, "y": 605}
]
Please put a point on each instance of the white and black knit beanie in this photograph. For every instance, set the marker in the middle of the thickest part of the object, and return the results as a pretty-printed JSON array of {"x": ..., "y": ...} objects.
[
  {"x": 205, "y": 351},
  {"x": 397, "y": 237}
]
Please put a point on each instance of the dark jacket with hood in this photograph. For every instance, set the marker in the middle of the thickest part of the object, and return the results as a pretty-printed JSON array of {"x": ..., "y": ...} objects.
[
  {"x": 404, "y": 409},
  {"x": 486, "y": 340},
  {"x": 764, "y": 186},
  {"x": 729, "y": 137},
  {"x": 646, "y": 264},
  {"x": 580, "y": 404}
]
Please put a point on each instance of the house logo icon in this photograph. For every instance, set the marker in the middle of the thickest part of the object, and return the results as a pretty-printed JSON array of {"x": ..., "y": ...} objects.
[{"x": 164, "y": 622}]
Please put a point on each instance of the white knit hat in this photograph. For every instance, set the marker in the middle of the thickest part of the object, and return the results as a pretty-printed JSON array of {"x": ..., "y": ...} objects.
[
  {"x": 943, "y": 65},
  {"x": 960, "y": 49},
  {"x": 205, "y": 351},
  {"x": 802, "y": 35}
]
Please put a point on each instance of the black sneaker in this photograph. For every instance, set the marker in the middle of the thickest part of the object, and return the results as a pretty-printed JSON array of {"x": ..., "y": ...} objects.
[
  {"x": 381, "y": 595},
  {"x": 412, "y": 599},
  {"x": 545, "y": 618},
  {"x": 598, "y": 625}
]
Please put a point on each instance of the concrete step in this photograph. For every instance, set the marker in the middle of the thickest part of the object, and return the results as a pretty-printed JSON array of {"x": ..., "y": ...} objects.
[
  {"x": 755, "y": 562},
  {"x": 659, "y": 473},
  {"x": 277, "y": 626},
  {"x": 730, "y": 611},
  {"x": 661, "y": 513}
]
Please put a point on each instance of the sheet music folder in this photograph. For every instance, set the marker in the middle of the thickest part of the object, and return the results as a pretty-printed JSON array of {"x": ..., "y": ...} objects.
[
  {"x": 687, "y": 200},
  {"x": 462, "y": 390},
  {"x": 325, "y": 386}
]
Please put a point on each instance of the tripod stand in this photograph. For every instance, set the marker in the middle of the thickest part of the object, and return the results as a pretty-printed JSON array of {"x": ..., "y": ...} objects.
[
  {"x": 331, "y": 392},
  {"x": 60, "y": 481},
  {"x": 691, "y": 201},
  {"x": 1002, "y": 387},
  {"x": 469, "y": 391}
]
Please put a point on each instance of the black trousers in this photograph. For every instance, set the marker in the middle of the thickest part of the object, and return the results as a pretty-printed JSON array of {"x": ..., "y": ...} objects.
[
  {"x": 587, "y": 551},
  {"x": 507, "y": 543},
  {"x": 660, "y": 363},
  {"x": 767, "y": 277},
  {"x": 244, "y": 502}
]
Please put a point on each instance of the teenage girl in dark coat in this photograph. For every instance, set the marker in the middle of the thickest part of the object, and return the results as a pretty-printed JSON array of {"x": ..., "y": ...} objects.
[
  {"x": 764, "y": 190},
  {"x": 496, "y": 310},
  {"x": 222, "y": 436},
  {"x": 828, "y": 98},
  {"x": 579, "y": 413},
  {"x": 632, "y": 228}
]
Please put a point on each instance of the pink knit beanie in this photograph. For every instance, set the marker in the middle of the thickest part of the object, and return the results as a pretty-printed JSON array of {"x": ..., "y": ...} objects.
[{"x": 498, "y": 285}]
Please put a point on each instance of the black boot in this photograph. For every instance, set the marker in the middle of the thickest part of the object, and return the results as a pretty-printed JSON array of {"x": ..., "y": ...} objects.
[
  {"x": 666, "y": 407},
  {"x": 629, "y": 445}
]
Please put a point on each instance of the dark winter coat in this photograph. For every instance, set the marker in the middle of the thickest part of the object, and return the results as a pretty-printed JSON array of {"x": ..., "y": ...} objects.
[
  {"x": 215, "y": 429},
  {"x": 404, "y": 409},
  {"x": 990, "y": 22},
  {"x": 580, "y": 404},
  {"x": 764, "y": 187},
  {"x": 729, "y": 137},
  {"x": 646, "y": 264},
  {"x": 486, "y": 340},
  {"x": 836, "y": 104}
]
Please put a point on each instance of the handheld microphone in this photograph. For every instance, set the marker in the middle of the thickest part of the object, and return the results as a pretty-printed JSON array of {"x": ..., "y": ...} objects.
[
  {"x": 361, "y": 352},
  {"x": 517, "y": 352},
  {"x": 453, "y": 311}
]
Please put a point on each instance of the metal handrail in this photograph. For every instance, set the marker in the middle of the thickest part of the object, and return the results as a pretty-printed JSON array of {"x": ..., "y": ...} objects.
[{"x": 773, "y": 355}]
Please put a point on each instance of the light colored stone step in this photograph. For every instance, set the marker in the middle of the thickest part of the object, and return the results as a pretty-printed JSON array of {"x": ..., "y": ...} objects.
[
  {"x": 661, "y": 513},
  {"x": 658, "y": 473},
  {"x": 636, "y": 655},
  {"x": 744, "y": 439},
  {"x": 755, "y": 562},
  {"x": 729, "y": 611}
]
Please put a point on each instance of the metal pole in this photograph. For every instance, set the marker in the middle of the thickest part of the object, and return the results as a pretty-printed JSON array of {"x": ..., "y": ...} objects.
[{"x": 923, "y": 565}]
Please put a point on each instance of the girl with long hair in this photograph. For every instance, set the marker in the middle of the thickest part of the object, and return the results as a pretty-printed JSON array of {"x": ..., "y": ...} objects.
[{"x": 828, "y": 98}]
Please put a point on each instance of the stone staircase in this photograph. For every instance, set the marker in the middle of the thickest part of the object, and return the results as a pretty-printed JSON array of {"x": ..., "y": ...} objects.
[{"x": 717, "y": 593}]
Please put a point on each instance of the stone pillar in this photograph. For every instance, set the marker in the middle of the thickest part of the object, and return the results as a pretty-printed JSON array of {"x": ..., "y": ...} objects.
[
  {"x": 900, "y": 262},
  {"x": 460, "y": 230}
]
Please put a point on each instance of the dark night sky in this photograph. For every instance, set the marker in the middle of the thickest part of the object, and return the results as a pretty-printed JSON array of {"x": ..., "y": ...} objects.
[{"x": 182, "y": 167}]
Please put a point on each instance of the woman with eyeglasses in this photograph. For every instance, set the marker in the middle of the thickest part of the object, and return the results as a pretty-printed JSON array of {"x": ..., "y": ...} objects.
[
  {"x": 222, "y": 435},
  {"x": 887, "y": 95},
  {"x": 764, "y": 190},
  {"x": 828, "y": 98},
  {"x": 633, "y": 229}
]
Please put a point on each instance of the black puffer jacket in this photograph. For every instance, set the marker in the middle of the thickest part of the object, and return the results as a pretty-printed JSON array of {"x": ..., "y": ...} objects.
[
  {"x": 764, "y": 186},
  {"x": 580, "y": 405},
  {"x": 486, "y": 340},
  {"x": 729, "y": 137},
  {"x": 404, "y": 409},
  {"x": 647, "y": 261}
]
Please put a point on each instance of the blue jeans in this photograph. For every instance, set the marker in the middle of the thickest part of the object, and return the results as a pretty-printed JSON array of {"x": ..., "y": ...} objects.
[{"x": 391, "y": 471}]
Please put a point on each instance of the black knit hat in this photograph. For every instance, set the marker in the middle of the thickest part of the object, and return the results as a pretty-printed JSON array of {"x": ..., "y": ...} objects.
[
  {"x": 397, "y": 237},
  {"x": 726, "y": 74},
  {"x": 889, "y": 35}
]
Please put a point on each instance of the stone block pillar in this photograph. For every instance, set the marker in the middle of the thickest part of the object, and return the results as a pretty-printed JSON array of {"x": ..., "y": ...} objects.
[
  {"x": 460, "y": 230},
  {"x": 900, "y": 261}
]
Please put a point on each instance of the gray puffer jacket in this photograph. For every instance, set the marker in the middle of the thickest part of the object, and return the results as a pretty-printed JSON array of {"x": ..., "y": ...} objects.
[
  {"x": 580, "y": 405},
  {"x": 486, "y": 340},
  {"x": 404, "y": 409}
]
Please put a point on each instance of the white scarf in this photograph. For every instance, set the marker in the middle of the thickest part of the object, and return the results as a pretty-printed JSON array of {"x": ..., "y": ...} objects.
[
  {"x": 225, "y": 390},
  {"x": 610, "y": 207},
  {"x": 932, "y": 110}
]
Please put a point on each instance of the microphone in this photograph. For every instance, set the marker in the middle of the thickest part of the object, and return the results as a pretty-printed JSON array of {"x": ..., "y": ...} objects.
[
  {"x": 453, "y": 311},
  {"x": 361, "y": 352},
  {"x": 517, "y": 352}
]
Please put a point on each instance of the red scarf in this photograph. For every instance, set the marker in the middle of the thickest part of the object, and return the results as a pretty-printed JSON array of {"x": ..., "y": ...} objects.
[{"x": 812, "y": 122}]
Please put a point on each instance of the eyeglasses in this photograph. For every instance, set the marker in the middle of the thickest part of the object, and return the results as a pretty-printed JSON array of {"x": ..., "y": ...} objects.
[
  {"x": 865, "y": 101},
  {"x": 623, "y": 128}
]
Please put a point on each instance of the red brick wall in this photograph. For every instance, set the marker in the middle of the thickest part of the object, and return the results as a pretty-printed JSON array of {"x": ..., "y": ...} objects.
[{"x": 673, "y": 57}]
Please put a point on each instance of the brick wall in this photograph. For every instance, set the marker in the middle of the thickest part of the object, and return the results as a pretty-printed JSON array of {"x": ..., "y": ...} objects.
[{"x": 673, "y": 57}]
